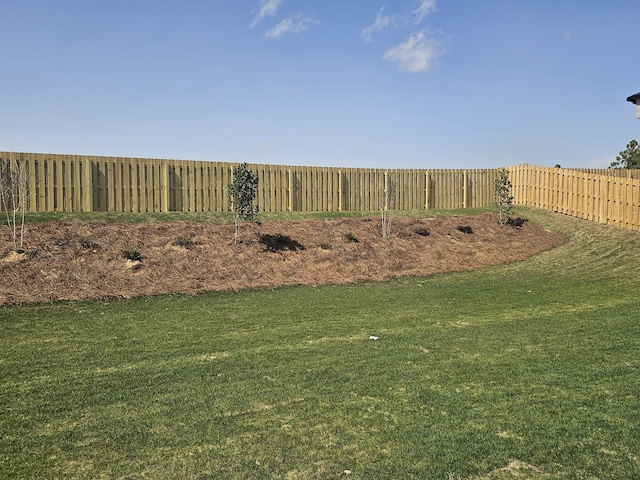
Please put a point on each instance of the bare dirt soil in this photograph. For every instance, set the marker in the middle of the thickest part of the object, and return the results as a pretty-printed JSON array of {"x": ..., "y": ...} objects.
[{"x": 65, "y": 261}]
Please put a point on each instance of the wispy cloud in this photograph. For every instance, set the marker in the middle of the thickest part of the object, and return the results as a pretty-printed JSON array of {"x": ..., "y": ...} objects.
[
  {"x": 425, "y": 8},
  {"x": 418, "y": 54},
  {"x": 293, "y": 24},
  {"x": 421, "y": 50},
  {"x": 382, "y": 21},
  {"x": 268, "y": 8}
]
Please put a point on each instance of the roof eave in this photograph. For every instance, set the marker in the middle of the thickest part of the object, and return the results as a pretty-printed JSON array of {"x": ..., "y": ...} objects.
[{"x": 634, "y": 98}]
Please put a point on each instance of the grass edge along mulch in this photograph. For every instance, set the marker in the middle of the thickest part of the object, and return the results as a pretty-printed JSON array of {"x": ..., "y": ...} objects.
[{"x": 527, "y": 370}]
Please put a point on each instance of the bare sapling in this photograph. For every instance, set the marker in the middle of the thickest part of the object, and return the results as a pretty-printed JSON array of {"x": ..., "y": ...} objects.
[
  {"x": 504, "y": 199},
  {"x": 387, "y": 206},
  {"x": 13, "y": 196},
  {"x": 243, "y": 192}
]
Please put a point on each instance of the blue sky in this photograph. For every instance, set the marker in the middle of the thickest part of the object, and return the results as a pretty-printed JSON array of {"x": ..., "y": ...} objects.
[{"x": 352, "y": 83}]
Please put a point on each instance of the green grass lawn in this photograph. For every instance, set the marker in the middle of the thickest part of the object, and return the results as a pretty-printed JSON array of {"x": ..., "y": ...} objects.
[
  {"x": 227, "y": 217},
  {"x": 529, "y": 370}
]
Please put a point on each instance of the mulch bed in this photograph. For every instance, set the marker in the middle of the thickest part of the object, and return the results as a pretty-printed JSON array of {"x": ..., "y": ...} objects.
[{"x": 68, "y": 261}]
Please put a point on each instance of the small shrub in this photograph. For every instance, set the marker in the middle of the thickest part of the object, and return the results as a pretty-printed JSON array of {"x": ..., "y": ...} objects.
[
  {"x": 502, "y": 192},
  {"x": 424, "y": 232},
  {"x": 465, "y": 229},
  {"x": 184, "y": 242},
  {"x": 243, "y": 192},
  {"x": 325, "y": 246},
  {"x": 351, "y": 238},
  {"x": 279, "y": 243},
  {"x": 516, "y": 222},
  {"x": 132, "y": 254}
]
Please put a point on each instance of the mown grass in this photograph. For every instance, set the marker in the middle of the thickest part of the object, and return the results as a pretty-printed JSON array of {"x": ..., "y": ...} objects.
[{"x": 528, "y": 370}]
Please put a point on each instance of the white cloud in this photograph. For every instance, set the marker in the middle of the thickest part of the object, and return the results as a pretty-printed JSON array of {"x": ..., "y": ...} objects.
[
  {"x": 418, "y": 54},
  {"x": 268, "y": 8},
  {"x": 425, "y": 8},
  {"x": 382, "y": 21},
  {"x": 291, "y": 24}
]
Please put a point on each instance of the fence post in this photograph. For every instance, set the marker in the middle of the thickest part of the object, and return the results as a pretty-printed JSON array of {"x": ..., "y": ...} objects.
[
  {"x": 385, "y": 193},
  {"x": 290, "y": 173},
  {"x": 340, "y": 180},
  {"x": 32, "y": 198},
  {"x": 427, "y": 190},
  {"x": 87, "y": 185},
  {"x": 465, "y": 193},
  {"x": 164, "y": 186}
]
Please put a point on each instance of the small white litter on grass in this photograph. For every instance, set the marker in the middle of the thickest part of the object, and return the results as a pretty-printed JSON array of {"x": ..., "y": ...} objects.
[{"x": 373, "y": 337}]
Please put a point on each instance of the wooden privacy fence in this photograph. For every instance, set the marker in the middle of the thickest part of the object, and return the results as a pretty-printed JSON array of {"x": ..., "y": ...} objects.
[
  {"x": 610, "y": 199},
  {"x": 611, "y": 172},
  {"x": 74, "y": 183}
]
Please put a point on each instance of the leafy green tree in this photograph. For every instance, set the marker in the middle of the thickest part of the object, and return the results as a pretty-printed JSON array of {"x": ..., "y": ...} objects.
[
  {"x": 502, "y": 191},
  {"x": 243, "y": 192},
  {"x": 629, "y": 157}
]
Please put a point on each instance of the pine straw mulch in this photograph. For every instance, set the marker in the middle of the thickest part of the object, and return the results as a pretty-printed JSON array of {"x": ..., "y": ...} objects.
[{"x": 65, "y": 261}]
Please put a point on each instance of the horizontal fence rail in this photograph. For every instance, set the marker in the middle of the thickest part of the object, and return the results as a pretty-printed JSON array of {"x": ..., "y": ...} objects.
[{"x": 74, "y": 183}]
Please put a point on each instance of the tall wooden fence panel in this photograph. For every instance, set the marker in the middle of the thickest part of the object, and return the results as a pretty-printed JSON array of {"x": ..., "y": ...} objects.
[
  {"x": 55, "y": 183},
  {"x": 74, "y": 183},
  {"x": 608, "y": 199}
]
